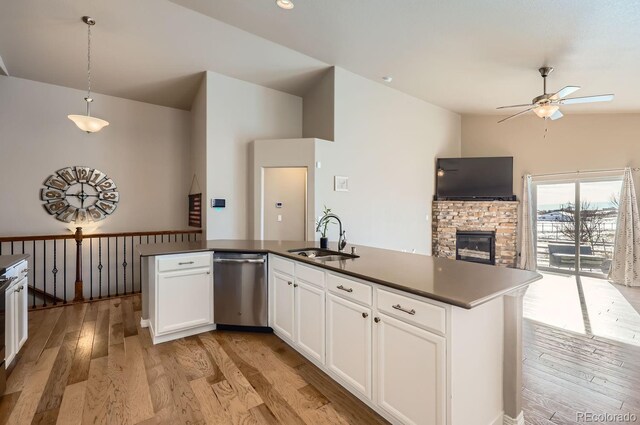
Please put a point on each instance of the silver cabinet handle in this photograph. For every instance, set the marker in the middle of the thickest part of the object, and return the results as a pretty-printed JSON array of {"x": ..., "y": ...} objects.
[
  {"x": 365, "y": 315},
  {"x": 295, "y": 285},
  {"x": 376, "y": 319},
  {"x": 399, "y": 307},
  {"x": 239, "y": 260},
  {"x": 289, "y": 283},
  {"x": 344, "y": 289},
  {"x": 24, "y": 270},
  {"x": 185, "y": 263}
]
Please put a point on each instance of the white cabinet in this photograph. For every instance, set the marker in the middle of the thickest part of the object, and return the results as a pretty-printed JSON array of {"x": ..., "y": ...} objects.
[
  {"x": 181, "y": 296},
  {"x": 10, "y": 325},
  {"x": 16, "y": 321},
  {"x": 282, "y": 302},
  {"x": 310, "y": 319},
  {"x": 410, "y": 372},
  {"x": 349, "y": 347}
]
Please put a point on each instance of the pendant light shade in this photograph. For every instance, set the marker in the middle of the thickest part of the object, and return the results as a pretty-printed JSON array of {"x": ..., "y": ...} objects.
[{"x": 87, "y": 122}]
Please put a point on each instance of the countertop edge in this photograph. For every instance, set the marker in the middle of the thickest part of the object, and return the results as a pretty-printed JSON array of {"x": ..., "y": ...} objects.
[
  {"x": 455, "y": 303},
  {"x": 17, "y": 258}
]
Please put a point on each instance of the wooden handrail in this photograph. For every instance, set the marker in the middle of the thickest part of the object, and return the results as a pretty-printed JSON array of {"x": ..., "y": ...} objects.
[{"x": 95, "y": 235}]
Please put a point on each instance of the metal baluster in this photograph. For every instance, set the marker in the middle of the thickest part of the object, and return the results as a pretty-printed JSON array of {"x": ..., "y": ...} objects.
[
  {"x": 133, "y": 268},
  {"x": 64, "y": 271},
  {"x": 44, "y": 273},
  {"x": 91, "y": 269},
  {"x": 11, "y": 247},
  {"x": 108, "y": 267},
  {"x": 34, "y": 275},
  {"x": 155, "y": 238},
  {"x": 147, "y": 239},
  {"x": 99, "y": 268},
  {"x": 116, "y": 266},
  {"x": 23, "y": 247},
  {"x": 0, "y": 248},
  {"x": 124, "y": 264},
  {"x": 55, "y": 272},
  {"x": 189, "y": 237},
  {"x": 183, "y": 237}
]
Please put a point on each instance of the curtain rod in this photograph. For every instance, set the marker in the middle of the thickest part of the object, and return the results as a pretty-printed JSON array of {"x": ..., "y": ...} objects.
[{"x": 583, "y": 172}]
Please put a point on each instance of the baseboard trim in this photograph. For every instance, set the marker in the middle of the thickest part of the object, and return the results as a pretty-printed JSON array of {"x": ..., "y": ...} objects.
[
  {"x": 508, "y": 420},
  {"x": 144, "y": 323}
]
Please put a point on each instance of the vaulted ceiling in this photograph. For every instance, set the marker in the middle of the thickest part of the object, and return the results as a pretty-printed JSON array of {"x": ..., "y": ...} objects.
[{"x": 468, "y": 56}]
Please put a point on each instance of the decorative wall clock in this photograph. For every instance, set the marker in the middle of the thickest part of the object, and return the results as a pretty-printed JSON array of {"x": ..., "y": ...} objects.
[{"x": 79, "y": 194}]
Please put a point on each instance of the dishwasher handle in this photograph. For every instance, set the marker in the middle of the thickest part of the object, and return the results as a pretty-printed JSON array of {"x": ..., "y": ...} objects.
[{"x": 239, "y": 260}]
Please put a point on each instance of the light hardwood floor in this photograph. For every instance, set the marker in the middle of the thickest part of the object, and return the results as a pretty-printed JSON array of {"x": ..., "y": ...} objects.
[
  {"x": 92, "y": 364},
  {"x": 581, "y": 350}
]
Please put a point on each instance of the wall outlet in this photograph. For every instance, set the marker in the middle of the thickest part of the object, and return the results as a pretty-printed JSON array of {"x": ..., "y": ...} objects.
[{"x": 279, "y": 217}]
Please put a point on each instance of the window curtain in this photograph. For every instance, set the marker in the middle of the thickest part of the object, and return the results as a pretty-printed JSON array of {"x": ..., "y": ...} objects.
[
  {"x": 527, "y": 260},
  {"x": 625, "y": 266}
]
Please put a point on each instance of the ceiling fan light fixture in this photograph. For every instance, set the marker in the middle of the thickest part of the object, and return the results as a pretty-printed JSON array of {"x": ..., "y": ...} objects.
[
  {"x": 285, "y": 4},
  {"x": 545, "y": 111}
]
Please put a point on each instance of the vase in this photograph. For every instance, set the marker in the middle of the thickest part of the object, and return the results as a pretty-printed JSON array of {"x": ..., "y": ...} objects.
[{"x": 324, "y": 243}]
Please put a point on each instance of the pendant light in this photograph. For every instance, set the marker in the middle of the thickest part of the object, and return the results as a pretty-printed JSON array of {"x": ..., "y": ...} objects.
[{"x": 87, "y": 122}]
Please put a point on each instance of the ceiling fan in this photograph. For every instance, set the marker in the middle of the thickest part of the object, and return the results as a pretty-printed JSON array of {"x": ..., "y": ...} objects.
[{"x": 547, "y": 105}]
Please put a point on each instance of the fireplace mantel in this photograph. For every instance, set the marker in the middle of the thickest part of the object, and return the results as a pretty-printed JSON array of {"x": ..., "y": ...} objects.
[{"x": 500, "y": 217}]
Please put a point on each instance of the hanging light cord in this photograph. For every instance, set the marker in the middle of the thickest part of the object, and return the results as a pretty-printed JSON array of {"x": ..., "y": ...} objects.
[{"x": 88, "y": 98}]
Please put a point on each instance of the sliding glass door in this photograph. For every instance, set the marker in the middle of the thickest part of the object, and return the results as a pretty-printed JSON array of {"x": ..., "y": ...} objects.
[{"x": 575, "y": 224}]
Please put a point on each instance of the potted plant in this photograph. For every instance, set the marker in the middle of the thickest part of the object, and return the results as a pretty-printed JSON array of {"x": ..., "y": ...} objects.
[{"x": 324, "y": 240}]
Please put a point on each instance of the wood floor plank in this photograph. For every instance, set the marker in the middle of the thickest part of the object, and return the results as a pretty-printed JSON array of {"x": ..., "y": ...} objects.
[
  {"x": 246, "y": 392},
  {"x": 38, "y": 339},
  {"x": 129, "y": 324},
  {"x": 136, "y": 381},
  {"x": 100, "y": 346},
  {"x": 96, "y": 401},
  {"x": 54, "y": 390},
  {"x": 72, "y": 404},
  {"x": 212, "y": 411},
  {"x": 186, "y": 404},
  {"x": 82, "y": 357},
  {"x": 27, "y": 404},
  {"x": 7, "y": 404},
  {"x": 229, "y": 401},
  {"x": 119, "y": 411}
]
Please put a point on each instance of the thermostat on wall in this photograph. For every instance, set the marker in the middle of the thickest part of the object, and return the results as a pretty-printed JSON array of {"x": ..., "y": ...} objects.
[{"x": 218, "y": 203}]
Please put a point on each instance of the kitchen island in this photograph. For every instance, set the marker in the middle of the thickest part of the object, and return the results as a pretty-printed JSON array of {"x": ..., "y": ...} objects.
[{"x": 420, "y": 339}]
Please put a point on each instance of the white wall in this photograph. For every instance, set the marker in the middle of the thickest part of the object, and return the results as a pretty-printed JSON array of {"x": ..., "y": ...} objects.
[
  {"x": 318, "y": 114},
  {"x": 386, "y": 142},
  {"x": 288, "y": 187},
  {"x": 238, "y": 113},
  {"x": 198, "y": 149},
  {"x": 145, "y": 149},
  {"x": 575, "y": 142}
]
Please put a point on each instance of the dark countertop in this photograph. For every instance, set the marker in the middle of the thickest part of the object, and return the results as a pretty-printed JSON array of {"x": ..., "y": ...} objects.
[
  {"x": 458, "y": 283},
  {"x": 7, "y": 261}
]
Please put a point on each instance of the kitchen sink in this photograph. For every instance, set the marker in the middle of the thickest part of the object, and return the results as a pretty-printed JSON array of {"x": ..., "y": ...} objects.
[{"x": 323, "y": 254}]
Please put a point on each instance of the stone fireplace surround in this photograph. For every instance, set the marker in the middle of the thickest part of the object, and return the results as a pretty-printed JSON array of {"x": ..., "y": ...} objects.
[{"x": 498, "y": 216}]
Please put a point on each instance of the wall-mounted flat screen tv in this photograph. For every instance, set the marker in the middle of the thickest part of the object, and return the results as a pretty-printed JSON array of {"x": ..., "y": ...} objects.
[{"x": 487, "y": 178}]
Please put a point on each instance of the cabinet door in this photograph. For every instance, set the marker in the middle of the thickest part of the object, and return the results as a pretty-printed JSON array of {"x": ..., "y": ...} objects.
[
  {"x": 10, "y": 324},
  {"x": 349, "y": 343},
  {"x": 414, "y": 395},
  {"x": 185, "y": 300},
  {"x": 309, "y": 320},
  {"x": 22, "y": 320},
  {"x": 282, "y": 310}
]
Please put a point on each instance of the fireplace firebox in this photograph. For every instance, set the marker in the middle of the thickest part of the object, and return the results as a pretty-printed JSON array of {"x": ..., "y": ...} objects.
[{"x": 477, "y": 247}]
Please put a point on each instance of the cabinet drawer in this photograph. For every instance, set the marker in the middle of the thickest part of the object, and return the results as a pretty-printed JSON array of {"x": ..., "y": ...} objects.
[
  {"x": 413, "y": 311},
  {"x": 282, "y": 265},
  {"x": 350, "y": 289},
  {"x": 310, "y": 275},
  {"x": 183, "y": 262}
]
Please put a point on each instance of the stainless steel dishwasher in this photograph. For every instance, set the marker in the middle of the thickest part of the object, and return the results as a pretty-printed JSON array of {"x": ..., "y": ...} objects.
[{"x": 240, "y": 289}]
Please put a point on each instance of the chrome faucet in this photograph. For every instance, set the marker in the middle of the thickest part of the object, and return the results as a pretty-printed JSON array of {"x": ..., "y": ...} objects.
[{"x": 342, "y": 239}]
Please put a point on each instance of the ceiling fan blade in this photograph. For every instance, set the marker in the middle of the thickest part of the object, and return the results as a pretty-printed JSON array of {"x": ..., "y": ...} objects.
[
  {"x": 515, "y": 115},
  {"x": 514, "y": 106},
  {"x": 556, "y": 115},
  {"x": 587, "y": 99},
  {"x": 564, "y": 92}
]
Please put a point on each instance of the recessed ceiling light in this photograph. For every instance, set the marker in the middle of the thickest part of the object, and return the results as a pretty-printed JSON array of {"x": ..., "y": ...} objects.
[
  {"x": 387, "y": 79},
  {"x": 285, "y": 4}
]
